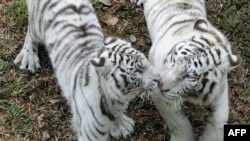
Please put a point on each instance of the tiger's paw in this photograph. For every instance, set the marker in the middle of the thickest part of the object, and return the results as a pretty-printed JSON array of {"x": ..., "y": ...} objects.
[
  {"x": 138, "y": 2},
  {"x": 28, "y": 59},
  {"x": 123, "y": 127}
]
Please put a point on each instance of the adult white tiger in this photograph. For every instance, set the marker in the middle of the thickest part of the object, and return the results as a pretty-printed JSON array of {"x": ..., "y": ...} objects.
[
  {"x": 194, "y": 58},
  {"x": 97, "y": 76}
]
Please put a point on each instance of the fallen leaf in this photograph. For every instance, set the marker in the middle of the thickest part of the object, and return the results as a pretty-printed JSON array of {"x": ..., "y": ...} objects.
[
  {"x": 7, "y": 2},
  {"x": 45, "y": 135},
  {"x": 106, "y": 2},
  {"x": 110, "y": 19},
  {"x": 53, "y": 101},
  {"x": 132, "y": 38},
  {"x": 40, "y": 121}
]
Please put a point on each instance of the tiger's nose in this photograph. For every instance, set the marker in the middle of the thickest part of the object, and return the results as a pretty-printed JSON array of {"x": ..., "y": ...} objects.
[
  {"x": 157, "y": 79},
  {"x": 160, "y": 85}
]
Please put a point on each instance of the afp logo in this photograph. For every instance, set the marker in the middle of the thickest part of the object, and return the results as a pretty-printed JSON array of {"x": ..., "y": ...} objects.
[{"x": 241, "y": 132}]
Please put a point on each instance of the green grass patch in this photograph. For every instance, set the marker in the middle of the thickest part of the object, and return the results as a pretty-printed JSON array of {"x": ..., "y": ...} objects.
[
  {"x": 18, "y": 13},
  {"x": 16, "y": 120}
]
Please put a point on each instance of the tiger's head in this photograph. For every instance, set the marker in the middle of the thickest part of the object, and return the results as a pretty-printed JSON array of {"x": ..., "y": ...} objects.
[
  {"x": 125, "y": 69},
  {"x": 195, "y": 66}
]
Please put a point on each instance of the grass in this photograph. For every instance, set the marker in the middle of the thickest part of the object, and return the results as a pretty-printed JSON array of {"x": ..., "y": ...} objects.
[{"x": 31, "y": 105}]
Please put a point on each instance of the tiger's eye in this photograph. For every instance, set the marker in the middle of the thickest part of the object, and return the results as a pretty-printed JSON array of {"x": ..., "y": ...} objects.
[{"x": 139, "y": 71}]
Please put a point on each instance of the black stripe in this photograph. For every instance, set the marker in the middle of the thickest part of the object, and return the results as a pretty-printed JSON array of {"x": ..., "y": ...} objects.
[
  {"x": 91, "y": 109},
  {"x": 215, "y": 73},
  {"x": 204, "y": 82},
  {"x": 205, "y": 74},
  {"x": 194, "y": 45},
  {"x": 80, "y": 49},
  {"x": 218, "y": 53},
  {"x": 156, "y": 4},
  {"x": 212, "y": 87},
  {"x": 177, "y": 23},
  {"x": 207, "y": 61},
  {"x": 86, "y": 76},
  {"x": 179, "y": 29},
  {"x": 121, "y": 59},
  {"x": 75, "y": 9},
  {"x": 206, "y": 40},
  {"x": 104, "y": 109},
  {"x": 199, "y": 60},
  {"x": 195, "y": 64},
  {"x": 53, "y": 5},
  {"x": 118, "y": 102},
  {"x": 45, "y": 5},
  {"x": 197, "y": 42},
  {"x": 184, "y": 53},
  {"x": 61, "y": 54},
  {"x": 174, "y": 24},
  {"x": 210, "y": 52},
  {"x": 99, "y": 131},
  {"x": 115, "y": 54},
  {"x": 113, "y": 39},
  {"x": 211, "y": 109},
  {"x": 116, "y": 48},
  {"x": 214, "y": 34},
  {"x": 89, "y": 139},
  {"x": 91, "y": 131},
  {"x": 116, "y": 81},
  {"x": 124, "y": 77},
  {"x": 183, "y": 5},
  {"x": 74, "y": 98}
]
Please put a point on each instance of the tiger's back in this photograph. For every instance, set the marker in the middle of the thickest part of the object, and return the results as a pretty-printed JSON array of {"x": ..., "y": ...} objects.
[{"x": 70, "y": 31}]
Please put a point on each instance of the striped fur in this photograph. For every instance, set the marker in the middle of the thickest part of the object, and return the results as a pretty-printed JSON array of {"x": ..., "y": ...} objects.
[
  {"x": 194, "y": 58},
  {"x": 98, "y": 76}
]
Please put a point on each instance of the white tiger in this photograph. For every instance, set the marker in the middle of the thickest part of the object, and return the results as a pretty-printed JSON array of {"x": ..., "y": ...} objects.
[
  {"x": 194, "y": 58},
  {"x": 98, "y": 76}
]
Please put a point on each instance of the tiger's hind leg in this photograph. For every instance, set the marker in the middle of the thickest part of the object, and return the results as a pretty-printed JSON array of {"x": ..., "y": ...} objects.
[
  {"x": 28, "y": 57},
  {"x": 123, "y": 127}
]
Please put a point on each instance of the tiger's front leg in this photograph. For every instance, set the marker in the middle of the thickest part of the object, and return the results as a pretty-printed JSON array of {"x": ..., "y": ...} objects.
[
  {"x": 28, "y": 57},
  {"x": 218, "y": 116},
  {"x": 123, "y": 127},
  {"x": 178, "y": 124}
]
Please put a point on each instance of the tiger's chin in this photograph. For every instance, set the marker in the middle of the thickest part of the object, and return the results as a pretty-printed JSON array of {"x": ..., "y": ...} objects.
[{"x": 174, "y": 100}]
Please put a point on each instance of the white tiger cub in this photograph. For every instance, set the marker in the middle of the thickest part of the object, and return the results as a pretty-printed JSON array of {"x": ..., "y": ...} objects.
[
  {"x": 194, "y": 58},
  {"x": 98, "y": 76}
]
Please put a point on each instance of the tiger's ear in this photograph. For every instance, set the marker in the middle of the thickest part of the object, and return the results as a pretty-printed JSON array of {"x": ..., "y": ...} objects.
[
  {"x": 201, "y": 25},
  {"x": 233, "y": 62},
  {"x": 99, "y": 62}
]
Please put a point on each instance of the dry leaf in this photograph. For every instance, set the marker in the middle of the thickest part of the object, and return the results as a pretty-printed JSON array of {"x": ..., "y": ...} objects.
[
  {"x": 40, "y": 121},
  {"x": 7, "y": 2},
  {"x": 110, "y": 19},
  {"x": 132, "y": 38},
  {"x": 106, "y": 2},
  {"x": 53, "y": 101},
  {"x": 45, "y": 135}
]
